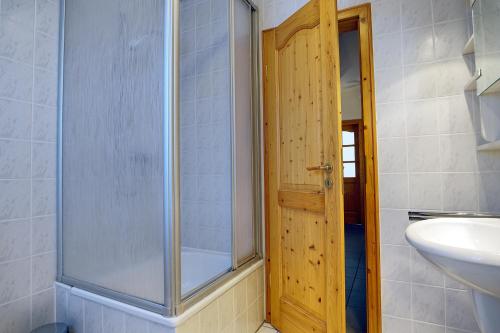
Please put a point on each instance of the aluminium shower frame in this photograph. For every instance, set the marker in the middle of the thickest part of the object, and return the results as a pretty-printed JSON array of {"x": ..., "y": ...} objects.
[{"x": 175, "y": 303}]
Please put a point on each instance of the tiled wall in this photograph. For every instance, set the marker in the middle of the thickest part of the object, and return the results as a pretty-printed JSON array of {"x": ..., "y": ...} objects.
[
  {"x": 241, "y": 309},
  {"x": 205, "y": 125},
  {"x": 427, "y": 136},
  {"x": 28, "y": 84},
  {"x": 238, "y": 310}
]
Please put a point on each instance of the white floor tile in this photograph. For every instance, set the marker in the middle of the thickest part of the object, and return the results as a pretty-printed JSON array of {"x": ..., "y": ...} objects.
[{"x": 266, "y": 328}]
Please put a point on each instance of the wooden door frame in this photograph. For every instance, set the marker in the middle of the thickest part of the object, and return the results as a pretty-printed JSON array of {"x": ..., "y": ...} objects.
[
  {"x": 359, "y": 18},
  {"x": 354, "y": 18}
]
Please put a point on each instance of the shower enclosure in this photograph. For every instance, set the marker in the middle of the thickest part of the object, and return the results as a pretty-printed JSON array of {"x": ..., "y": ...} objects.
[{"x": 158, "y": 148}]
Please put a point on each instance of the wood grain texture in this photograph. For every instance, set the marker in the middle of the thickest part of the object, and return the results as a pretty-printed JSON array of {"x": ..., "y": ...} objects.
[
  {"x": 332, "y": 141},
  {"x": 310, "y": 201},
  {"x": 303, "y": 129},
  {"x": 305, "y": 18}
]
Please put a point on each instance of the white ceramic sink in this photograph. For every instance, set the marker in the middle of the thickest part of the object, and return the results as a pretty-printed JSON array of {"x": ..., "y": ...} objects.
[{"x": 467, "y": 249}]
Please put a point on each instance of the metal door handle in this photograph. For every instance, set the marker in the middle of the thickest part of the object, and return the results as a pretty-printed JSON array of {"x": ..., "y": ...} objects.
[{"x": 324, "y": 167}]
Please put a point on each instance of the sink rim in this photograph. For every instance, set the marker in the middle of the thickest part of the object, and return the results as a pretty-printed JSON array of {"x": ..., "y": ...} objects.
[{"x": 478, "y": 256}]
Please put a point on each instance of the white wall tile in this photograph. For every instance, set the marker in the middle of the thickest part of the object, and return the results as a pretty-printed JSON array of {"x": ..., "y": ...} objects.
[
  {"x": 75, "y": 313},
  {"x": 450, "y": 39},
  {"x": 13, "y": 240},
  {"x": 392, "y": 155},
  {"x": 393, "y": 190},
  {"x": 134, "y": 324},
  {"x": 93, "y": 317},
  {"x": 15, "y": 119},
  {"x": 424, "y": 154},
  {"x": 46, "y": 51},
  {"x": 47, "y": 17},
  {"x": 386, "y": 16},
  {"x": 460, "y": 193},
  {"x": 387, "y": 50},
  {"x": 422, "y": 117},
  {"x": 42, "y": 308},
  {"x": 45, "y": 87},
  {"x": 14, "y": 159},
  {"x": 15, "y": 316},
  {"x": 454, "y": 115},
  {"x": 458, "y": 153},
  {"x": 43, "y": 160},
  {"x": 14, "y": 280},
  {"x": 423, "y": 272},
  {"x": 395, "y": 262},
  {"x": 450, "y": 77},
  {"x": 16, "y": 80},
  {"x": 395, "y": 325},
  {"x": 425, "y": 193},
  {"x": 489, "y": 191},
  {"x": 459, "y": 310},
  {"x": 445, "y": 10},
  {"x": 389, "y": 85},
  {"x": 394, "y": 226},
  {"x": 416, "y": 13},
  {"x": 420, "y": 81},
  {"x": 43, "y": 197},
  {"x": 20, "y": 11},
  {"x": 61, "y": 306},
  {"x": 14, "y": 199},
  {"x": 17, "y": 41},
  {"x": 396, "y": 299},
  {"x": 428, "y": 304},
  {"x": 113, "y": 321},
  {"x": 391, "y": 120},
  {"x": 420, "y": 327},
  {"x": 418, "y": 45},
  {"x": 43, "y": 271},
  {"x": 44, "y": 123}
]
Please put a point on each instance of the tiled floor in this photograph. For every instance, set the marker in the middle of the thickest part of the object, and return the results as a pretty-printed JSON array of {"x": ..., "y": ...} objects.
[
  {"x": 266, "y": 328},
  {"x": 355, "y": 278}
]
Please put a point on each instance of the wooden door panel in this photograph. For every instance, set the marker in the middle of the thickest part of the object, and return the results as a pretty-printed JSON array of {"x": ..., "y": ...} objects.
[
  {"x": 303, "y": 129},
  {"x": 300, "y": 102},
  {"x": 302, "y": 252},
  {"x": 297, "y": 321}
]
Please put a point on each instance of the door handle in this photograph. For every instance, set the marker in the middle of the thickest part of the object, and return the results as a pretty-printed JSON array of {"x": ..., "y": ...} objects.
[{"x": 324, "y": 167}]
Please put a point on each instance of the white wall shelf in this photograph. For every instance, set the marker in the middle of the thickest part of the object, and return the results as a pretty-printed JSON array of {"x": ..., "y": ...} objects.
[
  {"x": 495, "y": 145},
  {"x": 469, "y": 46}
]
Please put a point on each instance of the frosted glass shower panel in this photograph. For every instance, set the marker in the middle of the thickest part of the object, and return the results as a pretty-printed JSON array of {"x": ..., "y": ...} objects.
[
  {"x": 205, "y": 142},
  {"x": 112, "y": 146},
  {"x": 243, "y": 119}
]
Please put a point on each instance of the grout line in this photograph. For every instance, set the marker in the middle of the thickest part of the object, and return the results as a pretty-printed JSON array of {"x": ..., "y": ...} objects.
[
  {"x": 26, "y": 296},
  {"x": 11, "y": 99},
  {"x": 26, "y": 257},
  {"x": 31, "y": 159}
]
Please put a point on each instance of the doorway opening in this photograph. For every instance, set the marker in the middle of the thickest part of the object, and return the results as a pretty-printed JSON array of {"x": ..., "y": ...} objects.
[{"x": 361, "y": 236}]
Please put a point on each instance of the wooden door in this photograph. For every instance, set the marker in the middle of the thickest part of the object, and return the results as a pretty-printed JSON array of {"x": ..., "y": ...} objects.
[
  {"x": 303, "y": 137},
  {"x": 353, "y": 160}
]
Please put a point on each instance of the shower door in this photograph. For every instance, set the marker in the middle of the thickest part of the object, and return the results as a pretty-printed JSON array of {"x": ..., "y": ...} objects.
[{"x": 111, "y": 149}]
